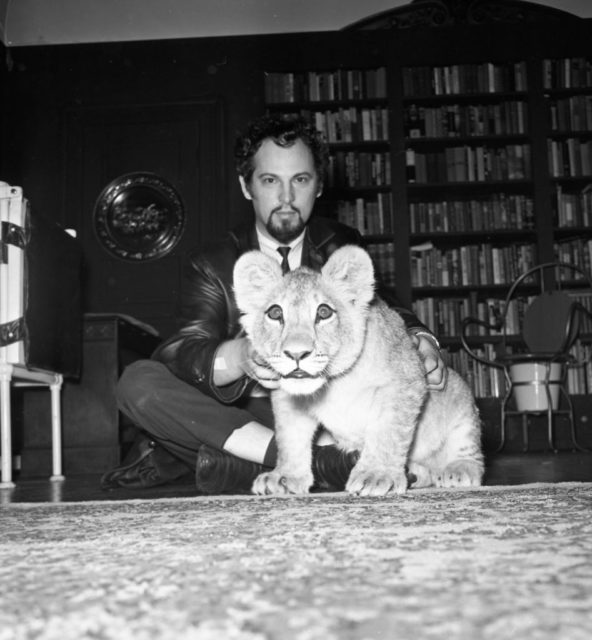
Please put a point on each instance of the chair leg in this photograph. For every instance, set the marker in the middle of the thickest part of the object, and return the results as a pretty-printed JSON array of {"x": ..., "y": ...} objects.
[
  {"x": 6, "y": 427},
  {"x": 56, "y": 429},
  {"x": 502, "y": 427},
  {"x": 572, "y": 423},
  {"x": 550, "y": 439},
  {"x": 525, "y": 440}
]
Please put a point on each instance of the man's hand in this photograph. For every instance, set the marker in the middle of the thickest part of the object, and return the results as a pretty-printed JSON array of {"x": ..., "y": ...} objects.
[
  {"x": 235, "y": 358},
  {"x": 435, "y": 367},
  {"x": 255, "y": 368}
]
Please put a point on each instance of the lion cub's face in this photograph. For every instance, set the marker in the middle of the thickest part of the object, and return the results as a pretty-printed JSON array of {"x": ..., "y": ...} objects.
[{"x": 309, "y": 327}]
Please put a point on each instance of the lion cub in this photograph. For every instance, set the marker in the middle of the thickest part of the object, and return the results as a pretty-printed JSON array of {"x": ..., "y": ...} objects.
[{"x": 346, "y": 361}]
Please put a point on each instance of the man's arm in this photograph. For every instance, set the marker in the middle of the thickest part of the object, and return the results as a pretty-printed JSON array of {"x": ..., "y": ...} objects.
[{"x": 208, "y": 321}]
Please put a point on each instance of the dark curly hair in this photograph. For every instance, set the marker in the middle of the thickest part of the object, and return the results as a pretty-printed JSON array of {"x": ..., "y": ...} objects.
[{"x": 284, "y": 130}]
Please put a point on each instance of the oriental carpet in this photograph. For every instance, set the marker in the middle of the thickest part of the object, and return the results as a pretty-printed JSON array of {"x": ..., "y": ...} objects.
[{"x": 486, "y": 563}]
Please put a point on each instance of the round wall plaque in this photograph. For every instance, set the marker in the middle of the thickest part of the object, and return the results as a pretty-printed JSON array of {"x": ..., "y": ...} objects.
[{"x": 139, "y": 216}]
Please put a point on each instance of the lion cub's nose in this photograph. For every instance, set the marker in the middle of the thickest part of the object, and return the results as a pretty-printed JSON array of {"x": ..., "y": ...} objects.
[{"x": 297, "y": 356}]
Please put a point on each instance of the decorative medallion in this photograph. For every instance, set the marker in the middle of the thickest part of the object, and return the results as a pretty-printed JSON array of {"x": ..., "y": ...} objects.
[{"x": 139, "y": 216}]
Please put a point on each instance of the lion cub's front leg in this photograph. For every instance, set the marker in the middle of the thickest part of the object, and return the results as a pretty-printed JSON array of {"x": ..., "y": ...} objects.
[
  {"x": 381, "y": 467},
  {"x": 293, "y": 472}
]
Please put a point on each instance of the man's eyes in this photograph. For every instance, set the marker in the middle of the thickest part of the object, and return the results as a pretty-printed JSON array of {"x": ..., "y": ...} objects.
[{"x": 297, "y": 179}]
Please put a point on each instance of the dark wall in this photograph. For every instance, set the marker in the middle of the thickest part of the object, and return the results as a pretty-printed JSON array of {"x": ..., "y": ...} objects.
[{"x": 71, "y": 114}]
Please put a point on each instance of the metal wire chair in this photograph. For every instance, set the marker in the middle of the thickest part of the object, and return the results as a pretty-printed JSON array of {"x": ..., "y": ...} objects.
[{"x": 537, "y": 327}]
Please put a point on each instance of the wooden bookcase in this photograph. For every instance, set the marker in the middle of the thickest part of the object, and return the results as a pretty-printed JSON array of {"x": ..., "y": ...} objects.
[
  {"x": 350, "y": 107},
  {"x": 567, "y": 85},
  {"x": 470, "y": 160}
]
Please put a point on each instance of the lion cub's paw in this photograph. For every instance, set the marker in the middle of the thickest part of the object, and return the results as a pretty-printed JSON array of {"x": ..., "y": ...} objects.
[
  {"x": 277, "y": 483},
  {"x": 376, "y": 483},
  {"x": 461, "y": 473},
  {"x": 419, "y": 476}
]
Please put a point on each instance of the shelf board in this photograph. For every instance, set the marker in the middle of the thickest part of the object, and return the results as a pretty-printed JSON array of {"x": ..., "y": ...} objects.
[
  {"x": 361, "y": 145},
  {"x": 327, "y": 105},
  {"x": 467, "y": 141},
  {"x": 502, "y": 186},
  {"x": 462, "y": 291},
  {"x": 467, "y": 98},
  {"x": 501, "y": 235},
  {"x": 564, "y": 233},
  {"x": 345, "y": 193}
]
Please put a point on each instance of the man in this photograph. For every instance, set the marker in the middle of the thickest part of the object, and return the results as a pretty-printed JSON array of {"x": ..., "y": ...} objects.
[{"x": 203, "y": 397}]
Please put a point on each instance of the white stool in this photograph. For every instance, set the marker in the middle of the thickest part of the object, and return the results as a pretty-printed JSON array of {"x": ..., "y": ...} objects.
[{"x": 20, "y": 376}]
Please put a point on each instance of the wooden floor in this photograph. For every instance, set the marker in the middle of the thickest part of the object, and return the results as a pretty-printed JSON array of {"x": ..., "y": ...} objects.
[{"x": 501, "y": 469}]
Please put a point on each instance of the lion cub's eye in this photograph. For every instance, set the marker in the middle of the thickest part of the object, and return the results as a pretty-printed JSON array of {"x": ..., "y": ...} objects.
[
  {"x": 324, "y": 312},
  {"x": 275, "y": 313}
]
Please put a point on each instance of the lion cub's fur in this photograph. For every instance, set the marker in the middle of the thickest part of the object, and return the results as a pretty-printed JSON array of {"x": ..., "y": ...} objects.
[{"x": 347, "y": 362}]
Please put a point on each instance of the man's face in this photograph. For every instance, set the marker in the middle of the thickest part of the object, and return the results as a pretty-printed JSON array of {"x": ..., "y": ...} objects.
[{"x": 283, "y": 189}]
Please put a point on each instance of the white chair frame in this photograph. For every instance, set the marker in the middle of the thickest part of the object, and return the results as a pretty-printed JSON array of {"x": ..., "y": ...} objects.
[{"x": 19, "y": 376}]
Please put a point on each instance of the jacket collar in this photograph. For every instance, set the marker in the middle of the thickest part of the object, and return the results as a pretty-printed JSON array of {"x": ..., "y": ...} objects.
[{"x": 319, "y": 232}]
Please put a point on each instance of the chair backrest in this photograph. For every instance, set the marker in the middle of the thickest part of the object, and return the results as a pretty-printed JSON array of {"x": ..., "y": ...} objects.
[
  {"x": 547, "y": 306},
  {"x": 550, "y": 324}
]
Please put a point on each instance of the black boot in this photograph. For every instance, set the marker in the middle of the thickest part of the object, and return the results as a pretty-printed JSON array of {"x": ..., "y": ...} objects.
[
  {"x": 146, "y": 464},
  {"x": 218, "y": 472},
  {"x": 331, "y": 467}
]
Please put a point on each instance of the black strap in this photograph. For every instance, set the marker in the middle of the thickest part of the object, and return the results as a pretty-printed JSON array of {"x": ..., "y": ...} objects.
[
  {"x": 11, "y": 234},
  {"x": 12, "y": 331}
]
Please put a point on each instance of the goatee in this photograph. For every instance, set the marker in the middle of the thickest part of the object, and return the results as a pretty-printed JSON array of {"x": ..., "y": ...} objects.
[{"x": 285, "y": 230}]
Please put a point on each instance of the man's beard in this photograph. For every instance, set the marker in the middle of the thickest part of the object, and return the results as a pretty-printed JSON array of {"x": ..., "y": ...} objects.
[{"x": 285, "y": 230}]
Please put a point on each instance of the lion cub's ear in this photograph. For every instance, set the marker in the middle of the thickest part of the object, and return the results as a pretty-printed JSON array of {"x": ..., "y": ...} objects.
[
  {"x": 255, "y": 274},
  {"x": 350, "y": 269}
]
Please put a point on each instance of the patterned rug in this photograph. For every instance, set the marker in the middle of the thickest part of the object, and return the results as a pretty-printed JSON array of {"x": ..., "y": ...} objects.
[{"x": 494, "y": 562}]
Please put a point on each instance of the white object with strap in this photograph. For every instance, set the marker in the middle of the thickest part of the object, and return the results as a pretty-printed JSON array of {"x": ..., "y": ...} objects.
[{"x": 13, "y": 366}]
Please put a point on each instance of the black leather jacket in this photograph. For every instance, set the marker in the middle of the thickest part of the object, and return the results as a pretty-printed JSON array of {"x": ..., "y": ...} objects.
[{"x": 208, "y": 314}]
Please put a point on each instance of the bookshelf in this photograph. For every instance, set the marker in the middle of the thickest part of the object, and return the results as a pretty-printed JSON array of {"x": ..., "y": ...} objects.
[
  {"x": 469, "y": 187},
  {"x": 474, "y": 162},
  {"x": 350, "y": 107},
  {"x": 567, "y": 83}
]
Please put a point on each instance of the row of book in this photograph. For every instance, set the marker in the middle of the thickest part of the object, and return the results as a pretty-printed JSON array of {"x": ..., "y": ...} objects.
[
  {"x": 358, "y": 169},
  {"x": 383, "y": 256},
  {"x": 567, "y": 73},
  {"x": 470, "y": 265},
  {"x": 585, "y": 299},
  {"x": 575, "y": 251},
  {"x": 315, "y": 86},
  {"x": 469, "y": 164},
  {"x": 464, "y": 79},
  {"x": 579, "y": 378},
  {"x": 445, "y": 315},
  {"x": 500, "y": 211},
  {"x": 573, "y": 209},
  {"x": 455, "y": 120},
  {"x": 571, "y": 114},
  {"x": 351, "y": 125},
  {"x": 369, "y": 216},
  {"x": 570, "y": 158},
  {"x": 484, "y": 381}
]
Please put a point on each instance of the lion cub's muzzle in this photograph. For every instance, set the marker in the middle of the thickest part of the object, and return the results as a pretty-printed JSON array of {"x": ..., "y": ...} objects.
[{"x": 298, "y": 355}]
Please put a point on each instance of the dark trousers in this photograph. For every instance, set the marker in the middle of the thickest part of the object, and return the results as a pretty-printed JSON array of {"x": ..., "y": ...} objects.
[{"x": 180, "y": 417}]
